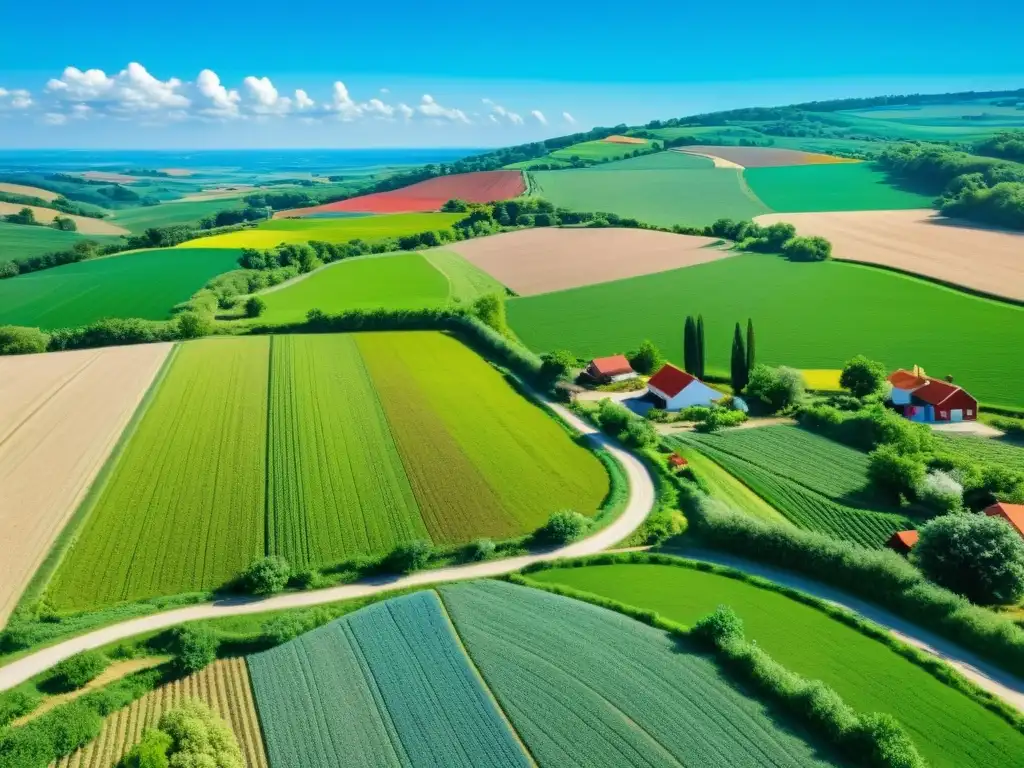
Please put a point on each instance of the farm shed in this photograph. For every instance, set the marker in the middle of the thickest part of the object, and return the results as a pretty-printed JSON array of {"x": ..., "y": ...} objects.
[
  {"x": 1011, "y": 513},
  {"x": 902, "y": 541},
  {"x": 605, "y": 370},
  {"x": 926, "y": 399},
  {"x": 674, "y": 389}
]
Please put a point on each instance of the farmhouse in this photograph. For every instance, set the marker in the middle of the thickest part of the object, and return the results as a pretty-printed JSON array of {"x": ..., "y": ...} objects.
[
  {"x": 925, "y": 399},
  {"x": 902, "y": 541},
  {"x": 605, "y": 370},
  {"x": 674, "y": 389},
  {"x": 1011, "y": 513}
]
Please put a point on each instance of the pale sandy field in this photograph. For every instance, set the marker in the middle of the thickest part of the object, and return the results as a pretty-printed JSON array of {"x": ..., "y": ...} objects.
[
  {"x": 542, "y": 260},
  {"x": 720, "y": 162},
  {"x": 60, "y": 416},
  {"x": 921, "y": 242},
  {"x": 21, "y": 189},
  {"x": 85, "y": 224}
]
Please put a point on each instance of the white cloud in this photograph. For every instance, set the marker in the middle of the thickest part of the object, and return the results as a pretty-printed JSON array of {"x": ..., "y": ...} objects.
[
  {"x": 499, "y": 113},
  {"x": 302, "y": 100},
  {"x": 406, "y": 111},
  {"x": 540, "y": 116},
  {"x": 222, "y": 102},
  {"x": 133, "y": 89},
  {"x": 377, "y": 108},
  {"x": 431, "y": 109},
  {"x": 343, "y": 104},
  {"x": 19, "y": 98},
  {"x": 54, "y": 118},
  {"x": 385, "y": 90},
  {"x": 264, "y": 98},
  {"x": 569, "y": 118}
]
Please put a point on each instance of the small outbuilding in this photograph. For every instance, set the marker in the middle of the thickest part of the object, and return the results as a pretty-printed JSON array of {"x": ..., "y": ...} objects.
[
  {"x": 926, "y": 399},
  {"x": 674, "y": 389},
  {"x": 902, "y": 541},
  {"x": 1011, "y": 513},
  {"x": 677, "y": 462},
  {"x": 605, "y": 370}
]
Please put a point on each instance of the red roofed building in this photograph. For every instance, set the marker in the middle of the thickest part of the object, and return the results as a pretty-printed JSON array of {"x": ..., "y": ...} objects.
[
  {"x": 926, "y": 399},
  {"x": 607, "y": 369},
  {"x": 902, "y": 541},
  {"x": 675, "y": 389},
  {"x": 1011, "y": 513}
]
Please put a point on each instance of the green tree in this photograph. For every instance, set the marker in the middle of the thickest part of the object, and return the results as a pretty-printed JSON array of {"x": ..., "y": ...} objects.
[
  {"x": 557, "y": 364},
  {"x": 64, "y": 224},
  {"x": 17, "y": 340},
  {"x": 808, "y": 249},
  {"x": 491, "y": 311},
  {"x": 979, "y": 557},
  {"x": 690, "y": 345},
  {"x": 193, "y": 647},
  {"x": 751, "y": 357},
  {"x": 563, "y": 527},
  {"x": 646, "y": 359},
  {"x": 455, "y": 206},
  {"x": 739, "y": 375},
  {"x": 200, "y": 738},
  {"x": 254, "y": 306},
  {"x": 862, "y": 376},
  {"x": 701, "y": 348},
  {"x": 413, "y": 556},
  {"x": 266, "y": 576},
  {"x": 150, "y": 752},
  {"x": 193, "y": 325},
  {"x": 895, "y": 472},
  {"x": 74, "y": 672}
]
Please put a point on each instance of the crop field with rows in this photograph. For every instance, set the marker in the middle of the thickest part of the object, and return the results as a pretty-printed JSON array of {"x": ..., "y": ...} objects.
[
  {"x": 1009, "y": 455},
  {"x": 584, "y": 686},
  {"x": 224, "y": 686},
  {"x": 804, "y": 507},
  {"x": 388, "y": 685},
  {"x": 950, "y": 729}
]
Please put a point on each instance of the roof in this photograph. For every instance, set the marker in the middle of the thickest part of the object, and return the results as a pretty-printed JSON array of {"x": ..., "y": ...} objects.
[
  {"x": 611, "y": 366},
  {"x": 902, "y": 379},
  {"x": 671, "y": 380},
  {"x": 907, "y": 538},
  {"x": 1011, "y": 513},
  {"x": 931, "y": 390},
  {"x": 677, "y": 461}
]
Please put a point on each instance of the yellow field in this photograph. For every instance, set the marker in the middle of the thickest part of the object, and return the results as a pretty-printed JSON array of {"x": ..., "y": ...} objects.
[
  {"x": 21, "y": 189},
  {"x": 86, "y": 224},
  {"x": 224, "y": 686},
  {"x": 822, "y": 379}
]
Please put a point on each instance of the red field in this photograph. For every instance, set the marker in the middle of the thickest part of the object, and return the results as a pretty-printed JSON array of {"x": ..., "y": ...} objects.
[{"x": 429, "y": 195}]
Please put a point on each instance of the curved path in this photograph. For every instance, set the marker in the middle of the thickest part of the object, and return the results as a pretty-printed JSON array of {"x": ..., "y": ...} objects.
[
  {"x": 640, "y": 503},
  {"x": 988, "y": 676}
]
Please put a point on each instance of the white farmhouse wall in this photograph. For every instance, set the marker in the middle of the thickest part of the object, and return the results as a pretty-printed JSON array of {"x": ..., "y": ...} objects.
[{"x": 696, "y": 393}]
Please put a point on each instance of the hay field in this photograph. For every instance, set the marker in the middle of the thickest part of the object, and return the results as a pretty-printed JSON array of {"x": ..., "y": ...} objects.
[
  {"x": 223, "y": 686},
  {"x": 762, "y": 157},
  {"x": 24, "y": 189},
  {"x": 60, "y": 416},
  {"x": 85, "y": 224},
  {"x": 533, "y": 261},
  {"x": 835, "y": 187},
  {"x": 923, "y": 243}
]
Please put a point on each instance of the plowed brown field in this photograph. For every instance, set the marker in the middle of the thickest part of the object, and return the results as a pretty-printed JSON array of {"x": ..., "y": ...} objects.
[
  {"x": 923, "y": 243},
  {"x": 60, "y": 416},
  {"x": 429, "y": 195},
  {"x": 224, "y": 686},
  {"x": 533, "y": 261},
  {"x": 763, "y": 157}
]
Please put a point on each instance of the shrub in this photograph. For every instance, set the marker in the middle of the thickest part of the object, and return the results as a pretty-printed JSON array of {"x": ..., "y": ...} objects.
[
  {"x": 720, "y": 626},
  {"x": 563, "y": 527},
  {"x": 862, "y": 377},
  {"x": 639, "y": 433},
  {"x": 200, "y": 738},
  {"x": 979, "y": 557},
  {"x": 193, "y": 648},
  {"x": 17, "y": 702},
  {"x": 557, "y": 365},
  {"x": 490, "y": 310},
  {"x": 413, "y": 556},
  {"x": 266, "y": 576},
  {"x": 16, "y": 340},
  {"x": 881, "y": 740},
  {"x": 481, "y": 549},
  {"x": 940, "y": 492},
  {"x": 807, "y": 249},
  {"x": 75, "y": 672},
  {"x": 193, "y": 325},
  {"x": 775, "y": 388},
  {"x": 254, "y": 306},
  {"x": 150, "y": 752},
  {"x": 309, "y": 578},
  {"x": 895, "y": 473},
  {"x": 646, "y": 359},
  {"x": 663, "y": 525}
]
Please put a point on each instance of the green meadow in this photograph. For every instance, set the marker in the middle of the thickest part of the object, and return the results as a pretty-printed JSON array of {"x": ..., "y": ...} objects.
[
  {"x": 140, "y": 219},
  {"x": 598, "y": 150},
  {"x": 830, "y": 187},
  {"x": 18, "y": 241}
]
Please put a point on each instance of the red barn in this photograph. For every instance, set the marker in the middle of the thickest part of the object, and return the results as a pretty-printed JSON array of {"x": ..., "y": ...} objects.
[
  {"x": 608, "y": 369},
  {"x": 902, "y": 541},
  {"x": 926, "y": 399}
]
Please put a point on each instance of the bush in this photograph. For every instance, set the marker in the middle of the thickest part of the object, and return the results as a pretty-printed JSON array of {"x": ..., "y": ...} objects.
[
  {"x": 940, "y": 492},
  {"x": 639, "y": 433},
  {"x": 309, "y": 578},
  {"x": 490, "y": 310},
  {"x": 16, "y": 340},
  {"x": 254, "y": 306},
  {"x": 17, "y": 702},
  {"x": 193, "y": 648},
  {"x": 414, "y": 556},
  {"x": 646, "y": 359},
  {"x": 266, "y": 576},
  {"x": 807, "y": 249},
  {"x": 481, "y": 549},
  {"x": 193, "y": 325},
  {"x": 563, "y": 527},
  {"x": 862, "y": 377},
  {"x": 721, "y": 626},
  {"x": 775, "y": 388},
  {"x": 200, "y": 738},
  {"x": 895, "y": 473},
  {"x": 979, "y": 557},
  {"x": 150, "y": 752},
  {"x": 557, "y": 365},
  {"x": 75, "y": 672}
]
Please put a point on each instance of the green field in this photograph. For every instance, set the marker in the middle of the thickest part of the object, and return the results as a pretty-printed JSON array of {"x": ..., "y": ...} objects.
[
  {"x": 724, "y": 487},
  {"x": 689, "y": 197},
  {"x": 830, "y": 187},
  {"x": 660, "y": 161},
  {"x": 401, "y": 281},
  {"x": 817, "y": 484},
  {"x": 168, "y": 214},
  {"x": 18, "y": 241},
  {"x": 986, "y": 449},
  {"x": 598, "y": 150},
  {"x": 319, "y": 448},
  {"x": 272, "y": 233},
  {"x": 183, "y": 509},
  {"x": 466, "y": 282},
  {"x": 144, "y": 284},
  {"x": 388, "y": 685},
  {"x": 805, "y": 316},
  {"x": 584, "y": 686},
  {"x": 948, "y": 728}
]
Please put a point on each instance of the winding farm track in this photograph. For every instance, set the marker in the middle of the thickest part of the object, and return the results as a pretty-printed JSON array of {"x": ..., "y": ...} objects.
[{"x": 640, "y": 503}]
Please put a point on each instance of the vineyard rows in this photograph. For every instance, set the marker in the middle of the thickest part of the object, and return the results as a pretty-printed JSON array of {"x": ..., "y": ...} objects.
[
  {"x": 587, "y": 687},
  {"x": 224, "y": 686},
  {"x": 986, "y": 449},
  {"x": 386, "y": 686}
]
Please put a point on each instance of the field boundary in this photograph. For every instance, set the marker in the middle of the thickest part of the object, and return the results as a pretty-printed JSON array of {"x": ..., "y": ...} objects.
[{"x": 68, "y": 535}]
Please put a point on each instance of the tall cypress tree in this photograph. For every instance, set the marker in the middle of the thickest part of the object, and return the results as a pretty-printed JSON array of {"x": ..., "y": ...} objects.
[
  {"x": 738, "y": 362},
  {"x": 690, "y": 345},
  {"x": 700, "y": 347},
  {"x": 750, "y": 347}
]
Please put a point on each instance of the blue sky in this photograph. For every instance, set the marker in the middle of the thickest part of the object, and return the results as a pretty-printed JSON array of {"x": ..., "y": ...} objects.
[{"x": 206, "y": 74}]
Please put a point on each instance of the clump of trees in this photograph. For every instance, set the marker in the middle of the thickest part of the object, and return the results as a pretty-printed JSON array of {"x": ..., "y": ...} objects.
[
  {"x": 862, "y": 377},
  {"x": 694, "y": 347},
  {"x": 188, "y": 735},
  {"x": 645, "y": 359},
  {"x": 193, "y": 647},
  {"x": 1008, "y": 145},
  {"x": 742, "y": 358},
  {"x": 563, "y": 527},
  {"x": 775, "y": 388},
  {"x": 77, "y": 671},
  {"x": 266, "y": 576}
]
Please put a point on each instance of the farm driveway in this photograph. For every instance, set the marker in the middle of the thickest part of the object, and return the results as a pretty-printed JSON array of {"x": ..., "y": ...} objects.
[{"x": 641, "y": 501}]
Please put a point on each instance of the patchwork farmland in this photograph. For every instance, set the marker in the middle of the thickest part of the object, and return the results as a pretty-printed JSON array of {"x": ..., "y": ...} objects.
[
  {"x": 201, "y": 489},
  {"x": 86, "y": 224},
  {"x": 601, "y": 149},
  {"x": 763, "y": 157},
  {"x": 18, "y": 241},
  {"x": 535, "y": 261},
  {"x": 923, "y": 243},
  {"x": 899, "y": 320},
  {"x": 834, "y": 187}
]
